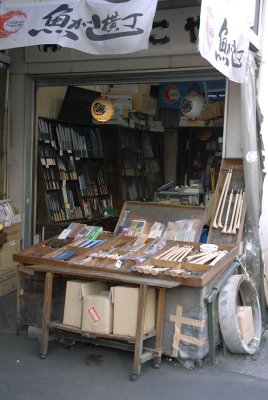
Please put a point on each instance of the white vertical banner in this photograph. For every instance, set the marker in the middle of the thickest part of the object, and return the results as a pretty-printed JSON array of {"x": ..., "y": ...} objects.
[
  {"x": 223, "y": 36},
  {"x": 92, "y": 26}
]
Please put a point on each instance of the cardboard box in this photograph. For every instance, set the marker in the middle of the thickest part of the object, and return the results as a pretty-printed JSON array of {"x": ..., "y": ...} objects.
[
  {"x": 13, "y": 232},
  {"x": 76, "y": 290},
  {"x": 98, "y": 313},
  {"x": 126, "y": 300},
  {"x": 131, "y": 89},
  {"x": 246, "y": 324},
  {"x": 8, "y": 213},
  {"x": 145, "y": 104},
  {"x": 8, "y": 281},
  {"x": 6, "y": 254},
  {"x": 213, "y": 110}
]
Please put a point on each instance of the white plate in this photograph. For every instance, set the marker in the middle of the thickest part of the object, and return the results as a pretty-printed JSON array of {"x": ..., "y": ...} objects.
[{"x": 208, "y": 247}]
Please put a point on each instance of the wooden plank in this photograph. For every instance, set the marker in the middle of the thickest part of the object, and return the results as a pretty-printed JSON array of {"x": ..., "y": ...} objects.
[
  {"x": 160, "y": 324},
  {"x": 46, "y": 314},
  {"x": 53, "y": 325},
  {"x": 139, "y": 331},
  {"x": 104, "y": 275},
  {"x": 3, "y": 238}
]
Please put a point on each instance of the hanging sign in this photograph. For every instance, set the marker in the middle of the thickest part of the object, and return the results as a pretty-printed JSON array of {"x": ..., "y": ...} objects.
[
  {"x": 223, "y": 37},
  {"x": 92, "y": 26}
]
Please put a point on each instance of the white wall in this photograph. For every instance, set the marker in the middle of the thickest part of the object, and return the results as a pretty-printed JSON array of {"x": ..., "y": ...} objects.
[{"x": 233, "y": 133}]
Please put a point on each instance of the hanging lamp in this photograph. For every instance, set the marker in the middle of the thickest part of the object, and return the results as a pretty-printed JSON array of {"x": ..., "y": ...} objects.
[{"x": 102, "y": 109}]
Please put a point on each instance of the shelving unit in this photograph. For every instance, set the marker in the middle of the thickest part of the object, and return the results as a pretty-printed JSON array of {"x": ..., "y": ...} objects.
[
  {"x": 72, "y": 183},
  {"x": 199, "y": 151},
  {"x": 133, "y": 161},
  {"x": 82, "y": 169}
]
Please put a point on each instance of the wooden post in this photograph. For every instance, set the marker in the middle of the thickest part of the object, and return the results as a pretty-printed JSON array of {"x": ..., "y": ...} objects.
[
  {"x": 46, "y": 314},
  {"x": 160, "y": 325},
  {"x": 139, "y": 333}
]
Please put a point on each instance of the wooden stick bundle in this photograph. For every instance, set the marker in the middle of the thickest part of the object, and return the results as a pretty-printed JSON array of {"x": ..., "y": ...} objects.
[
  {"x": 230, "y": 229},
  {"x": 144, "y": 269},
  {"x": 222, "y": 199},
  {"x": 180, "y": 272},
  {"x": 155, "y": 271},
  {"x": 240, "y": 210},
  {"x": 219, "y": 257},
  {"x": 204, "y": 258},
  {"x": 228, "y": 212},
  {"x": 175, "y": 253},
  {"x": 166, "y": 252},
  {"x": 187, "y": 250}
]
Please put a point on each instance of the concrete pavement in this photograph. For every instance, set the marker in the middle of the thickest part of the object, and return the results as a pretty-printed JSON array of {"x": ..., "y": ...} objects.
[{"x": 94, "y": 372}]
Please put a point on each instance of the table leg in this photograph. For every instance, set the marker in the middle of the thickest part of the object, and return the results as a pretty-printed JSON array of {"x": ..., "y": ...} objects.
[
  {"x": 160, "y": 326},
  {"x": 46, "y": 314},
  {"x": 139, "y": 333},
  {"x": 19, "y": 325}
]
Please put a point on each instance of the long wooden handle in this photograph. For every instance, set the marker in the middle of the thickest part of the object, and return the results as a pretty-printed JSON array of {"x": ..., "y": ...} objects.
[
  {"x": 220, "y": 225},
  {"x": 166, "y": 252},
  {"x": 233, "y": 213},
  {"x": 239, "y": 204},
  {"x": 215, "y": 225},
  {"x": 228, "y": 212},
  {"x": 206, "y": 258},
  {"x": 240, "y": 211},
  {"x": 219, "y": 257},
  {"x": 187, "y": 251},
  {"x": 155, "y": 271}
]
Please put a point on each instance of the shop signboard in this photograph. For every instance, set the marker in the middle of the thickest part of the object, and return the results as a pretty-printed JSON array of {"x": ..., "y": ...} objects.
[
  {"x": 96, "y": 27},
  {"x": 224, "y": 36}
]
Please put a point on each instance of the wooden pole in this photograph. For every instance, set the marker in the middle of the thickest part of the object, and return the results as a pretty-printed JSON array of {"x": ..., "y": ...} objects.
[
  {"x": 215, "y": 225},
  {"x": 228, "y": 212},
  {"x": 220, "y": 225},
  {"x": 233, "y": 213}
]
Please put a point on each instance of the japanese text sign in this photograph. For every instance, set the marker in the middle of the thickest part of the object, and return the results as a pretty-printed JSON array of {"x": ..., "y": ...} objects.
[
  {"x": 92, "y": 26},
  {"x": 223, "y": 37}
]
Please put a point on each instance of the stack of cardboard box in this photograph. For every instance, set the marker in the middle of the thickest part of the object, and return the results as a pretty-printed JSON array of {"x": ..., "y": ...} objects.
[
  {"x": 95, "y": 307},
  {"x": 11, "y": 221}
]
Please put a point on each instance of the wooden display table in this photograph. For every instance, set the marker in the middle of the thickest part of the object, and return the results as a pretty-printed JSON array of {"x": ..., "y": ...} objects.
[
  {"x": 154, "y": 261},
  {"x": 140, "y": 354}
]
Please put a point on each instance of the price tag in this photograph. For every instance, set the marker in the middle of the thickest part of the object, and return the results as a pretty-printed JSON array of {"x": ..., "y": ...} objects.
[
  {"x": 69, "y": 151},
  {"x": 61, "y": 152},
  {"x": 118, "y": 264}
]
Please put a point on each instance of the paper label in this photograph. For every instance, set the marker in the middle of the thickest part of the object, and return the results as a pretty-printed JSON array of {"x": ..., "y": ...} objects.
[
  {"x": 94, "y": 315},
  {"x": 118, "y": 264},
  {"x": 251, "y": 156}
]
